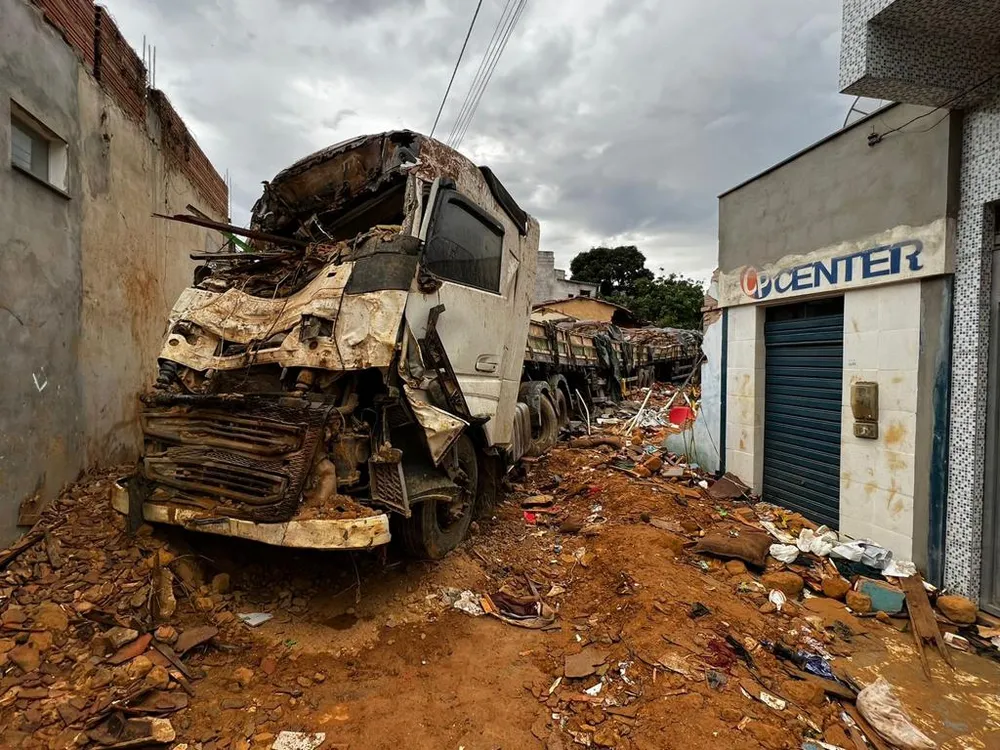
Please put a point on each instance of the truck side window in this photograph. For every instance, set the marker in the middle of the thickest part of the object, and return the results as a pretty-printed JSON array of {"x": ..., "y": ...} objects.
[{"x": 464, "y": 247}]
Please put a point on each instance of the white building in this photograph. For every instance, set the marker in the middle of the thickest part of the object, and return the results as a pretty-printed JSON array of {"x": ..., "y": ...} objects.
[{"x": 551, "y": 282}]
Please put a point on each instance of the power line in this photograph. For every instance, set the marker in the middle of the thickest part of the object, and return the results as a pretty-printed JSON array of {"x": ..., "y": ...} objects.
[
  {"x": 496, "y": 59},
  {"x": 457, "y": 63},
  {"x": 877, "y": 137},
  {"x": 480, "y": 71}
]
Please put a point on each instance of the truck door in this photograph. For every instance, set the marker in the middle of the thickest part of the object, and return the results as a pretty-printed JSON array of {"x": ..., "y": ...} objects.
[{"x": 464, "y": 248}]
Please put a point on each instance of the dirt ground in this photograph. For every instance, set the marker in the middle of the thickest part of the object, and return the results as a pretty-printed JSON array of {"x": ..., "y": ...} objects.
[{"x": 367, "y": 649}]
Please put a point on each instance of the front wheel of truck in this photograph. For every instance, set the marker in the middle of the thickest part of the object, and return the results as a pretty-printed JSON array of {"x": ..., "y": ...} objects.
[{"x": 437, "y": 527}]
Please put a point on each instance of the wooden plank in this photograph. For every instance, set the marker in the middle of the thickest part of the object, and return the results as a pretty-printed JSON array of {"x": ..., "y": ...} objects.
[
  {"x": 829, "y": 686},
  {"x": 873, "y": 737},
  {"x": 925, "y": 627}
]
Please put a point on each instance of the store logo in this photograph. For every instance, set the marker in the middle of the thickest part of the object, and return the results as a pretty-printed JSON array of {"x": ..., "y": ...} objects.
[{"x": 884, "y": 260}]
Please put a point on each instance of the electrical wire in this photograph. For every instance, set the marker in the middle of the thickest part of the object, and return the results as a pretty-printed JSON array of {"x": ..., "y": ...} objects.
[
  {"x": 486, "y": 82},
  {"x": 480, "y": 71},
  {"x": 455, "y": 69},
  {"x": 877, "y": 137}
]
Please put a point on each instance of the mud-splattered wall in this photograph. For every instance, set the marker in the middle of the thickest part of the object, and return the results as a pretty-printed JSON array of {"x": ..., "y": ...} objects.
[{"x": 86, "y": 275}]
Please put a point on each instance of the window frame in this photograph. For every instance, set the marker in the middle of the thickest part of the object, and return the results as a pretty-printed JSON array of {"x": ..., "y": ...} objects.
[
  {"x": 57, "y": 149},
  {"x": 447, "y": 195}
]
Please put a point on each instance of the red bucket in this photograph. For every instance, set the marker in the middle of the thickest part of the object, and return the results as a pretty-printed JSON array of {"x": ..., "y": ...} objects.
[{"x": 681, "y": 415}]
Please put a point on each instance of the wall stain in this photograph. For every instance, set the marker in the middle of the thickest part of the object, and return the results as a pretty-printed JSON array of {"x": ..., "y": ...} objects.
[{"x": 895, "y": 433}]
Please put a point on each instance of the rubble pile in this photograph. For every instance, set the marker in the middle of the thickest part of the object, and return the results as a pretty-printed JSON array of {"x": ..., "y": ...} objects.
[{"x": 98, "y": 630}]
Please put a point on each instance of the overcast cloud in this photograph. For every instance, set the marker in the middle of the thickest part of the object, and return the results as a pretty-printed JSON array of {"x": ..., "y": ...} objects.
[{"x": 612, "y": 121}]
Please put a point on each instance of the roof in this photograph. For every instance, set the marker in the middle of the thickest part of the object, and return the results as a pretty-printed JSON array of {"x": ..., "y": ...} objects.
[
  {"x": 807, "y": 149},
  {"x": 550, "y": 302}
]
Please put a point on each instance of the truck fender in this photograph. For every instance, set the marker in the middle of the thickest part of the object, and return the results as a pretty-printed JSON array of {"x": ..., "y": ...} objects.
[{"x": 530, "y": 393}]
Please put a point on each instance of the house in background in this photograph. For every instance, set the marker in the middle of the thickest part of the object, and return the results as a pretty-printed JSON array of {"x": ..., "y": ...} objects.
[
  {"x": 551, "y": 282},
  {"x": 87, "y": 275},
  {"x": 585, "y": 308}
]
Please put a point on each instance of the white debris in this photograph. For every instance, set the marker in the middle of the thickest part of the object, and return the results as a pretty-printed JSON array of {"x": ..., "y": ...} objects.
[
  {"x": 298, "y": 741},
  {"x": 787, "y": 553},
  {"x": 777, "y": 598},
  {"x": 255, "y": 619}
]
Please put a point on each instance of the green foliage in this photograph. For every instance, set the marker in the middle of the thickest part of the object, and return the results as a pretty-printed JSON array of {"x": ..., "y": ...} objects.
[
  {"x": 616, "y": 269},
  {"x": 669, "y": 301}
]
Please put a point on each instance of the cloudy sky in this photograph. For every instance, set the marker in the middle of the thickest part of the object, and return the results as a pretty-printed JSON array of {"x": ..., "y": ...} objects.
[{"x": 612, "y": 121}]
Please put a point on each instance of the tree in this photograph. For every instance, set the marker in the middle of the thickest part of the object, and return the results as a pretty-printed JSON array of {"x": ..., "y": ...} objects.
[
  {"x": 669, "y": 301},
  {"x": 615, "y": 269}
]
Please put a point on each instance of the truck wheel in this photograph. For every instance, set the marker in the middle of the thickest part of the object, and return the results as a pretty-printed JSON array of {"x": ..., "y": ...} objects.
[
  {"x": 562, "y": 408},
  {"x": 437, "y": 527},
  {"x": 549, "y": 430}
]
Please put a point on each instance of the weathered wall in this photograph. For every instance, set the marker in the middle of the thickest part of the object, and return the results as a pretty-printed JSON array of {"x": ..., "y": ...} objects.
[
  {"x": 843, "y": 190},
  {"x": 40, "y": 416},
  {"x": 86, "y": 274},
  {"x": 134, "y": 265},
  {"x": 551, "y": 283},
  {"x": 583, "y": 308}
]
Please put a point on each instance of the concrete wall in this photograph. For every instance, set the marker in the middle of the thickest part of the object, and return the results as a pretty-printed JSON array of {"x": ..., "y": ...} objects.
[
  {"x": 583, "y": 308},
  {"x": 41, "y": 422},
  {"x": 134, "y": 265},
  {"x": 843, "y": 190},
  {"x": 86, "y": 275},
  {"x": 551, "y": 282}
]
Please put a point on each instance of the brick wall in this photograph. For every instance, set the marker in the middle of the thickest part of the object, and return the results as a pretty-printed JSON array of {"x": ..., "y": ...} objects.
[{"x": 103, "y": 51}]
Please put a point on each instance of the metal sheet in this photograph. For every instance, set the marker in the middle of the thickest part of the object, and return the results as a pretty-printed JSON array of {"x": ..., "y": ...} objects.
[{"x": 802, "y": 413}]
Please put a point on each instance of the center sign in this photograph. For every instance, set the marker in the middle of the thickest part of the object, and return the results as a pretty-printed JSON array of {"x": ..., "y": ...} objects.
[{"x": 827, "y": 272}]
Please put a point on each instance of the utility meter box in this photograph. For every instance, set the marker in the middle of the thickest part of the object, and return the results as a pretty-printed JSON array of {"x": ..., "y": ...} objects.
[{"x": 864, "y": 406}]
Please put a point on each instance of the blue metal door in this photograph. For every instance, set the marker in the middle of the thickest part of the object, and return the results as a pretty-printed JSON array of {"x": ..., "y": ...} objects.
[{"x": 803, "y": 391}]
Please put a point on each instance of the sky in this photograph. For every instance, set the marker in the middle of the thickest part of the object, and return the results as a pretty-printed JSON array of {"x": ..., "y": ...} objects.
[{"x": 611, "y": 121}]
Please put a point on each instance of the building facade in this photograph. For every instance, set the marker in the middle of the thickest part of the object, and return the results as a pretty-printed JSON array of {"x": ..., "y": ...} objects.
[
  {"x": 87, "y": 276},
  {"x": 835, "y": 274},
  {"x": 946, "y": 56},
  {"x": 551, "y": 282}
]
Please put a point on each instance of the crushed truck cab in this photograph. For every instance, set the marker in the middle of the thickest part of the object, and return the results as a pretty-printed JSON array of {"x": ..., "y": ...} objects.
[{"x": 356, "y": 363}]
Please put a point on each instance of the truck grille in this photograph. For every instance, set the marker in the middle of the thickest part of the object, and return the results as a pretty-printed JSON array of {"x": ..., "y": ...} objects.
[{"x": 251, "y": 456}]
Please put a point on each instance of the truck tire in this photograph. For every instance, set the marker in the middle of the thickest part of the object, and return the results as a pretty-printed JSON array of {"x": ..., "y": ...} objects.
[
  {"x": 436, "y": 528},
  {"x": 562, "y": 408},
  {"x": 548, "y": 432}
]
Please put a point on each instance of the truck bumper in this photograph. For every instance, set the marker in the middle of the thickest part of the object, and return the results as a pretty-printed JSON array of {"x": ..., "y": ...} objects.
[{"x": 310, "y": 533}]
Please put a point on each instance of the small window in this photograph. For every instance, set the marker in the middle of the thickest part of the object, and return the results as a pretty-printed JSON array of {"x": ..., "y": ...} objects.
[
  {"x": 464, "y": 246},
  {"x": 584, "y": 292},
  {"x": 34, "y": 149}
]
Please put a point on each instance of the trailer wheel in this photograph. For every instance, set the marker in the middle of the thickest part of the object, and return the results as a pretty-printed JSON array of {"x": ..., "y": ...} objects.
[
  {"x": 548, "y": 432},
  {"x": 437, "y": 527},
  {"x": 562, "y": 408}
]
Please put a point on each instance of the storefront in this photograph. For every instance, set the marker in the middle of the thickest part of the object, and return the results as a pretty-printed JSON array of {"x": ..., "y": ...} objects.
[{"x": 834, "y": 278}]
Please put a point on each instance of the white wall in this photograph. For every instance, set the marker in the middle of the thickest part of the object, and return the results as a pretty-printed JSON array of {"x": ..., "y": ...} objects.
[
  {"x": 745, "y": 395},
  {"x": 882, "y": 344}
]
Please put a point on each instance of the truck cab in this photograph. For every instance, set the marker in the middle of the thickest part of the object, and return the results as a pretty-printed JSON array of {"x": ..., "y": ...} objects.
[{"x": 353, "y": 370}]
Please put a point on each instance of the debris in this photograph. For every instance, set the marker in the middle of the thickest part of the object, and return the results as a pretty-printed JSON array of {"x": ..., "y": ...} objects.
[
  {"x": 786, "y": 553},
  {"x": 51, "y": 616},
  {"x": 698, "y": 610},
  {"x": 835, "y": 587},
  {"x": 118, "y": 637},
  {"x": 584, "y": 663},
  {"x": 863, "y": 552},
  {"x": 728, "y": 488},
  {"x": 782, "y": 536},
  {"x": 922, "y": 620},
  {"x": 537, "y": 501},
  {"x": 243, "y": 676},
  {"x": 736, "y": 567},
  {"x": 819, "y": 542},
  {"x": 750, "y": 547},
  {"x": 468, "y": 602},
  {"x": 716, "y": 680},
  {"x": 595, "y": 690},
  {"x": 777, "y": 598},
  {"x": 220, "y": 583},
  {"x": 131, "y": 650},
  {"x": 524, "y": 613},
  {"x": 884, "y": 596},
  {"x": 883, "y": 711},
  {"x": 592, "y": 442},
  {"x": 194, "y": 637},
  {"x": 858, "y": 602},
  {"x": 674, "y": 662},
  {"x": 298, "y": 741},
  {"x": 785, "y": 581},
  {"x": 958, "y": 609},
  {"x": 804, "y": 692},
  {"x": 957, "y": 642},
  {"x": 165, "y": 634},
  {"x": 25, "y": 657},
  {"x": 163, "y": 588},
  {"x": 530, "y": 517},
  {"x": 254, "y": 619},
  {"x": 899, "y": 569}
]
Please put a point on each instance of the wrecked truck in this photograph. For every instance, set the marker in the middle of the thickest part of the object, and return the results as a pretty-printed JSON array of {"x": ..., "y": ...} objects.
[{"x": 354, "y": 370}]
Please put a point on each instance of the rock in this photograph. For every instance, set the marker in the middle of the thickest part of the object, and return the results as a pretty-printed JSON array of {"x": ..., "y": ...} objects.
[
  {"x": 768, "y": 608},
  {"x": 189, "y": 572},
  {"x": 883, "y": 617},
  {"x": 6, "y": 644},
  {"x": 804, "y": 692},
  {"x": 730, "y": 715},
  {"x": 14, "y": 615},
  {"x": 584, "y": 663},
  {"x": 268, "y": 665},
  {"x": 642, "y": 472},
  {"x": 243, "y": 676},
  {"x": 158, "y": 678},
  {"x": 304, "y": 681},
  {"x": 163, "y": 590},
  {"x": 220, "y": 583},
  {"x": 26, "y": 657},
  {"x": 118, "y": 637},
  {"x": 653, "y": 463},
  {"x": 788, "y": 583},
  {"x": 203, "y": 604},
  {"x": 837, "y": 736},
  {"x": 858, "y": 602},
  {"x": 138, "y": 668},
  {"x": 100, "y": 678},
  {"x": 958, "y": 609},
  {"x": 835, "y": 587},
  {"x": 161, "y": 730},
  {"x": 768, "y": 735},
  {"x": 51, "y": 616},
  {"x": 736, "y": 567},
  {"x": 41, "y": 640},
  {"x": 162, "y": 556},
  {"x": 232, "y": 704},
  {"x": 223, "y": 618},
  {"x": 319, "y": 677},
  {"x": 165, "y": 634},
  {"x": 606, "y": 736},
  {"x": 691, "y": 527}
]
